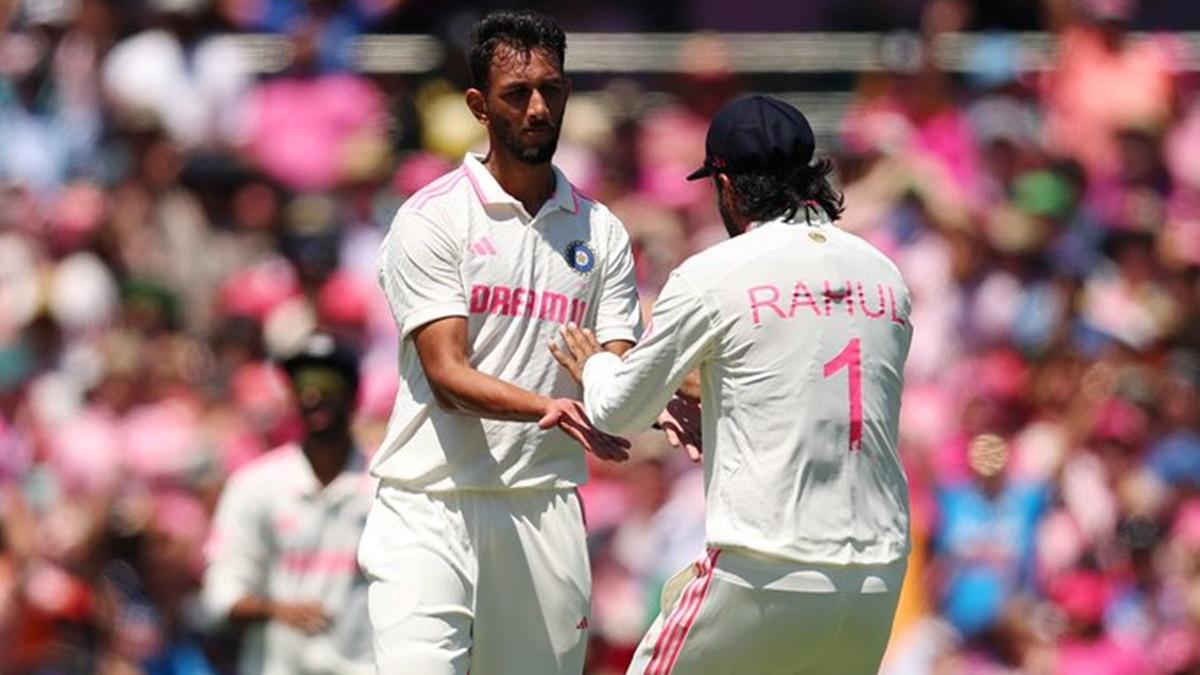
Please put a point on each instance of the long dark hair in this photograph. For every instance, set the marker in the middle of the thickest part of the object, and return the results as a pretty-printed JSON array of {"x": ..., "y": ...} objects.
[{"x": 764, "y": 196}]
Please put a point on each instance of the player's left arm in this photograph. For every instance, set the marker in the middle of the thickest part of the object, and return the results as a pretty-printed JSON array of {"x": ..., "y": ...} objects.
[{"x": 626, "y": 395}]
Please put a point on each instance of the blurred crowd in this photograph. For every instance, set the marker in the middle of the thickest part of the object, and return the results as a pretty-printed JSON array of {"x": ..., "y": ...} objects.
[{"x": 172, "y": 223}]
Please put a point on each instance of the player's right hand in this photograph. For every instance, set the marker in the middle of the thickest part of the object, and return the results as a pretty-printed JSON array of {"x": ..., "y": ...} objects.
[
  {"x": 568, "y": 415},
  {"x": 307, "y": 617},
  {"x": 681, "y": 423}
]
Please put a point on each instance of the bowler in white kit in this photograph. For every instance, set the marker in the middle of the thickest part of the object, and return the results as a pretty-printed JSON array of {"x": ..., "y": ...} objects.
[
  {"x": 475, "y": 546},
  {"x": 800, "y": 332}
]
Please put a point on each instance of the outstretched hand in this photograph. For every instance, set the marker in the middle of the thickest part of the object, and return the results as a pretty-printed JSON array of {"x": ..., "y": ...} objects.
[
  {"x": 578, "y": 346},
  {"x": 681, "y": 423},
  {"x": 568, "y": 415}
]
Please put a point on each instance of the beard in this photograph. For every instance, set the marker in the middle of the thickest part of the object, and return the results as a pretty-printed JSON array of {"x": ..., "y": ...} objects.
[{"x": 533, "y": 155}]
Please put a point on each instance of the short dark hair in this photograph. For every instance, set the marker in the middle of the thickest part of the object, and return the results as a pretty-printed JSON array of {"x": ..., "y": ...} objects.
[
  {"x": 762, "y": 196},
  {"x": 522, "y": 30}
]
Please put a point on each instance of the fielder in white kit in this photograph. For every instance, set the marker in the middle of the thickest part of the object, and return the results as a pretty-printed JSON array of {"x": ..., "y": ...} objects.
[
  {"x": 800, "y": 332},
  {"x": 475, "y": 545},
  {"x": 281, "y": 554}
]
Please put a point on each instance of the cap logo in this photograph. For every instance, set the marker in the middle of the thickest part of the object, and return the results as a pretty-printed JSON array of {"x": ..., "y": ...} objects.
[{"x": 718, "y": 162}]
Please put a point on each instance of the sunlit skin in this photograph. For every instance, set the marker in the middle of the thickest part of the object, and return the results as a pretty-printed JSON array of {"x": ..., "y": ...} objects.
[{"x": 522, "y": 109}]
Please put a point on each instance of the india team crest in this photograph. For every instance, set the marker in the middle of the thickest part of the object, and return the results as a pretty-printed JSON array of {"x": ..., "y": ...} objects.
[{"x": 580, "y": 257}]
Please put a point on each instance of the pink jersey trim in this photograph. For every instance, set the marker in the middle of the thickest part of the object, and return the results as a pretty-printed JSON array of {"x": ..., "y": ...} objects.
[
  {"x": 437, "y": 188},
  {"x": 578, "y": 195},
  {"x": 435, "y": 184},
  {"x": 670, "y": 641},
  {"x": 319, "y": 562},
  {"x": 475, "y": 185}
]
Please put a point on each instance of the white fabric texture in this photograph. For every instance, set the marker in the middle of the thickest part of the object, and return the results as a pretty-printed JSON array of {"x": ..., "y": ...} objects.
[
  {"x": 278, "y": 534},
  {"x": 463, "y": 247},
  {"x": 800, "y": 331}
]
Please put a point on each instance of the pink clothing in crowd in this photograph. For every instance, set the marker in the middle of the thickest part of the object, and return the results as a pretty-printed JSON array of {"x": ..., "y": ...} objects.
[{"x": 302, "y": 130}]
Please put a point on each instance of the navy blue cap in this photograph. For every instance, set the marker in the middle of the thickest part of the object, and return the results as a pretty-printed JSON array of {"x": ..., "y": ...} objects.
[{"x": 756, "y": 133}]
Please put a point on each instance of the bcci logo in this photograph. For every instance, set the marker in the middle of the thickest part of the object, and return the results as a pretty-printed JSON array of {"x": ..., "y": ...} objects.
[{"x": 580, "y": 257}]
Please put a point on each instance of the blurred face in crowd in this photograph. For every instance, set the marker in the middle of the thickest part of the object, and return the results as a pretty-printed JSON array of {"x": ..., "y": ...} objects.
[
  {"x": 324, "y": 398},
  {"x": 524, "y": 103},
  {"x": 987, "y": 456}
]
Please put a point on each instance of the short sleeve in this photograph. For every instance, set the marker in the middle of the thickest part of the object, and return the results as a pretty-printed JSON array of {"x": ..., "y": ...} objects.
[
  {"x": 419, "y": 270},
  {"x": 619, "y": 315}
]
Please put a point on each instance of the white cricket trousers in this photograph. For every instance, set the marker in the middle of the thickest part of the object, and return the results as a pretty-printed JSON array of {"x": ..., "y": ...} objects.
[
  {"x": 736, "y": 612},
  {"x": 490, "y": 582}
]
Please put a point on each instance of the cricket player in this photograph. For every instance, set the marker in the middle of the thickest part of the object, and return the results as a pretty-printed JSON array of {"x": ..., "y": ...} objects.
[
  {"x": 800, "y": 332},
  {"x": 475, "y": 544},
  {"x": 282, "y": 551}
]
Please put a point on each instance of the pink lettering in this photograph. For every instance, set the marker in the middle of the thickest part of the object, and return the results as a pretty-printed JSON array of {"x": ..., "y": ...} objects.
[
  {"x": 511, "y": 301},
  {"x": 578, "y": 307},
  {"x": 832, "y": 296},
  {"x": 479, "y": 299},
  {"x": 772, "y": 297},
  {"x": 851, "y": 359},
  {"x": 801, "y": 297},
  {"x": 896, "y": 318},
  {"x": 530, "y": 303},
  {"x": 768, "y": 296},
  {"x": 500, "y": 300},
  {"x": 554, "y": 307},
  {"x": 862, "y": 301},
  {"x": 518, "y": 294}
]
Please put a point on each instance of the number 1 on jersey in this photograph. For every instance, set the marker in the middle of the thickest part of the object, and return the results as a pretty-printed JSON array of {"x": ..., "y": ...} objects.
[{"x": 851, "y": 358}]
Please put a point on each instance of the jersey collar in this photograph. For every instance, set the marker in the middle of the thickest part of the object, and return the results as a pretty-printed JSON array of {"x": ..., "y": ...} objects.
[
  {"x": 814, "y": 216},
  {"x": 306, "y": 483},
  {"x": 490, "y": 193}
]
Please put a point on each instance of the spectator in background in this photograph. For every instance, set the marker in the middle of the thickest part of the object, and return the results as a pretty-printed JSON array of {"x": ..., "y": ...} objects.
[
  {"x": 179, "y": 76},
  {"x": 985, "y": 538},
  {"x": 1105, "y": 81},
  {"x": 1175, "y": 457},
  {"x": 1087, "y": 649},
  {"x": 50, "y": 117},
  {"x": 333, "y": 24},
  {"x": 306, "y": 127},
  {"x": 282, "y": 554}
]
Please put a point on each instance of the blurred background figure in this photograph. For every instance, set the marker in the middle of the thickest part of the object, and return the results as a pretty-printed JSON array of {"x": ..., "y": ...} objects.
[
  {"x": 190, "y": 188},
  {"x": 281, "y": 555}
]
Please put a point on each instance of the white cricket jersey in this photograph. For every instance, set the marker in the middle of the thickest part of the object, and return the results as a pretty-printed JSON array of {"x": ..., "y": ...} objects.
[
  {"x": 279, "y": 534},
  {"x": 800, "y": 331},
  {"x": 462, "y": 246}
]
